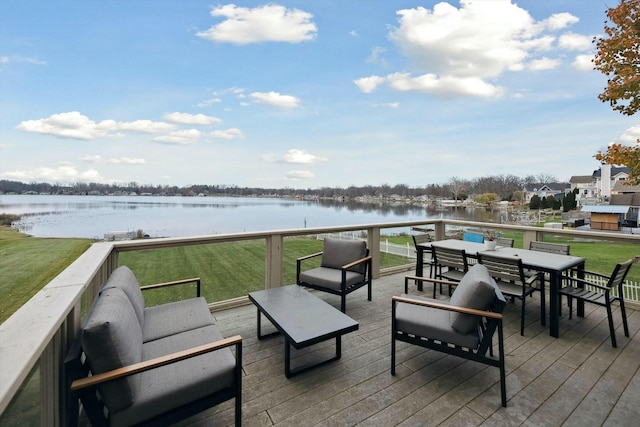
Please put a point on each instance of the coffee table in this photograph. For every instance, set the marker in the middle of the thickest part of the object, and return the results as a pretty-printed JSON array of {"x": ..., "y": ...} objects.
[{"x": 303, "y": 320}]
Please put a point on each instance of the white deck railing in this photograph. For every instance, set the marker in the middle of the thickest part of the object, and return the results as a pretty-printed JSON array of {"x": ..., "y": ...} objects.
[{"x": 35, "y": 339}]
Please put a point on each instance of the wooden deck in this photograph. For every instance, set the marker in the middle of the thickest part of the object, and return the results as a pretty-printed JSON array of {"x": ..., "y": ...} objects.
[{"x": 577, "y": 379}]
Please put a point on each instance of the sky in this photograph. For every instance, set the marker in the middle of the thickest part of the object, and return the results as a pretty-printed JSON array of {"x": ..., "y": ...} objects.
[{"x": 301, "y": 94}]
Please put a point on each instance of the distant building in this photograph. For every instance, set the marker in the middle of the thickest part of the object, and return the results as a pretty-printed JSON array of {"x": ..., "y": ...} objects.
[
  {"x": 594, "y": 188},
  {"x": 556, "y": 190}
]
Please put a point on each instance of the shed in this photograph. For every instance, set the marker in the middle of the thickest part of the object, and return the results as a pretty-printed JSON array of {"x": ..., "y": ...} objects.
[{"x": 606, "y": 217}]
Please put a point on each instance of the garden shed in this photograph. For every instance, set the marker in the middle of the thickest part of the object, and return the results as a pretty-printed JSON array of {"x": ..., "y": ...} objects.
[{"x": 606, "y": 217}]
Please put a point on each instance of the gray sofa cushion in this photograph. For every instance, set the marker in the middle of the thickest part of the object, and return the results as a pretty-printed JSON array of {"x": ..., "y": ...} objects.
[
  {"x": 123, "y": 278},
  {"x": 111, "y": 339},
  {"x": 476, "y": 290},
  {"x": 167, "y": 319},
  {"x": 336, "y": 253},
  {"x": 330, "y": 278},
  {"x": 431, "y": 323},
  {"x": 179, "y": 383}
]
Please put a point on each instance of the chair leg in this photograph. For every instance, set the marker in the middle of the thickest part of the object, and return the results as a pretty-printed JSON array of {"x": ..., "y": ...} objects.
[
  {"x": 522, "y": 318},
  {"x": 543, "y": 304},
  {"x": 570, "y": 304},
  {"x": 624, "y": 317},
  {"x": 610, "y": 320},
  {"x": 343, "y": 304}
]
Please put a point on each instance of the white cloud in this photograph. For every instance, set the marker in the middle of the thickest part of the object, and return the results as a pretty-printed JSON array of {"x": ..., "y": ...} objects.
[
  {"x": 583, "y": 63},
  {"x": 97, "y": 159},
  {"x": 78, "y": 126},
  {"x": 296, "y": 175},
  {"x": 269, "y": 23},
  {"x": 191, "y": 119},
  {"x": 461, "y": 51},
  {"x": 66, "y": 173},
  {"x": 180, "y": 137},
  {"x": 543, "y": 64},
  {"x": 275, "y": 99},
  {"x": 369, "y": 84},
  {"x": 375, "y": 57},
  {"x": 631, "y": 135},
  {"x": 387, "y": 104},
  {"x": 66, "y": 125},
  {"x": 572, "y": 41},
  {"x": 231, "y": 133},
  {"x": 209, "y": 102},
  {"x": 558, "y": 21},
  {"x": 300, "y": 156}
]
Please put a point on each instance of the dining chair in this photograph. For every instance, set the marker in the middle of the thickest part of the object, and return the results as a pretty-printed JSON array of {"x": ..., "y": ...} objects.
[
  {"x": 418, "y": 240},
  {"x": 552, "y": 248},
  {"x": 472, "y": 237},
  {"x": 589, "y": 290},
  {"x": 508, "y": 273},
  {"x": 450, "y": 264},
  {"x": 505, "y": 242}
]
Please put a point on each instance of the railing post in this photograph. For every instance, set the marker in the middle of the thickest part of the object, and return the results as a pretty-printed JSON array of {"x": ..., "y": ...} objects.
[
  {"x": 273, "y": 274},
  {"x": 528, "y": 237},
  {"x": 373, "y": 242},
  {"x": 440, "y": 230}
]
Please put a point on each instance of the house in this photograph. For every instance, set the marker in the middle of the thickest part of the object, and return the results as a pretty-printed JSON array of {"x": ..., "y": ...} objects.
[
  {"x": 556, "y": 190},
  {"x": 599, "y": 185}
]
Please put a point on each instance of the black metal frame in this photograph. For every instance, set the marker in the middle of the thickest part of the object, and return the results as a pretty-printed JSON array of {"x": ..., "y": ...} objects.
[
  {"x": 491, "y": 321},
  {"x": 344, "y": 290}
]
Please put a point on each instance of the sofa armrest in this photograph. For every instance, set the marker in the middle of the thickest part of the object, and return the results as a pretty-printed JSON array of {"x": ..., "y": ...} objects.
[
  {"x": 440, "y": 306},
  {"x": 195, "y": 280},
  {"x": 158, "y": 362}
]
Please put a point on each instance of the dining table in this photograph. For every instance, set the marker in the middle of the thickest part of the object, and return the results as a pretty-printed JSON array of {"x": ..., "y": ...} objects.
[{"x": 553, "y": 264}]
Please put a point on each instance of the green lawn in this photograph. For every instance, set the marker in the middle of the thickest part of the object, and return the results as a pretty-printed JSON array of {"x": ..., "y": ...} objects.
[
  {"x": 227, "y": 270},
  {"x": 29, "y": 263}
]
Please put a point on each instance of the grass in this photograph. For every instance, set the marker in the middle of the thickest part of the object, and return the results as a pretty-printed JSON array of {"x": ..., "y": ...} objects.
[
  {"x": 227, "y": 270},
  {"x": 29, "y": 263}
]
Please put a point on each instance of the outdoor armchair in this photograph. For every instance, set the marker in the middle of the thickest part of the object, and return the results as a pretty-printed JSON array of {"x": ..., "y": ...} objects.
[
  {"x": 345, "y": 267},
  {"x": 464, "y": 326},
  {"x": 602, "y": 294}
]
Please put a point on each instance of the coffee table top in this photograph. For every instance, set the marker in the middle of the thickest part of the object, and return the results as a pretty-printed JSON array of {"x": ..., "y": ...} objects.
[{"x": 302, "y": 317}]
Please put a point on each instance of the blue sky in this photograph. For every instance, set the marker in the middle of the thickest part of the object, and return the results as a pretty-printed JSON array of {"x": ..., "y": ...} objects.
[{"x": 301, "y": 94}]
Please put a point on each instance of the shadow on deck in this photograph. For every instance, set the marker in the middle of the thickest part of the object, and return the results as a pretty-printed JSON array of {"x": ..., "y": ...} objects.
[{"x": 577, "y": 379}]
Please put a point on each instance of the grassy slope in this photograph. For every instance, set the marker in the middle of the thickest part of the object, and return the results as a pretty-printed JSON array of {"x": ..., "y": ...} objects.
[{"x": 29, "y": 263}]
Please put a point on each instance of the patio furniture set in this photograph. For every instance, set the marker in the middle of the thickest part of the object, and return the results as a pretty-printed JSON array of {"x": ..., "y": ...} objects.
[{"x": 185, "y": 366}]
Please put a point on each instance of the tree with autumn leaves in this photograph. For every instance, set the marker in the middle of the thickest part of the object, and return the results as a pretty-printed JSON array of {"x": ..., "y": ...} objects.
[{"x": 618, "y": 57}]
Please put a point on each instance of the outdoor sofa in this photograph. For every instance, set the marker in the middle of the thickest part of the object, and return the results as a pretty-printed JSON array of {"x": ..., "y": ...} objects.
[{"x": 133, "y": 365}]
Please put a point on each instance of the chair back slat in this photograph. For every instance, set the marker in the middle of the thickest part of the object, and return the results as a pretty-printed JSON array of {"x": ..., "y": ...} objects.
[
  {"x": 421, "y": 238},
  {"x": 505, "y": 242},
  {"x": 451, "y": 258},
  {"x": 553, "y": 248},
  {"x": 503, "y": 268},
  {"x": 619, "y": 274}
]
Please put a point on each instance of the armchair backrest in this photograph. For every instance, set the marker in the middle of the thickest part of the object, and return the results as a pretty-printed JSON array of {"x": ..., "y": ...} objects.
[
  {"x": 619, "y": 274},
  {"x": 337, "y": 252}
]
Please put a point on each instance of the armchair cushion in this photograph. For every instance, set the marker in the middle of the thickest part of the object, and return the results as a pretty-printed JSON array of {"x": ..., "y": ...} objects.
[
  {"x": 179, "y": 383},
  {"x": 123, "y": 278},
  {"x": 111, "y": 339},
  {"x": 433, "y": 323},
  {"x": 337, "y": 253},
  {"x": 330, "y": 278},
  {"x": 476, "y": 290},
  {"x": 175, "y": 317}
]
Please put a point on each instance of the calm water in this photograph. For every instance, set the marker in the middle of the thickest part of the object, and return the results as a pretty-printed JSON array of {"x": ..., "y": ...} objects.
[{"x": 93, "y": 216}]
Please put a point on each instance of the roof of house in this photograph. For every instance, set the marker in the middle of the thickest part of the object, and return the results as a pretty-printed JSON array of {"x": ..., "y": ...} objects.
[
  {"x": 627, "y": 199},
  {"x": 616, "y": 209},
  {"x": 621, "y": 187},
  {"x": 557, "y": 186},
  {"x": 614, "y": 171},
  {"x": 581, "y": 179}
]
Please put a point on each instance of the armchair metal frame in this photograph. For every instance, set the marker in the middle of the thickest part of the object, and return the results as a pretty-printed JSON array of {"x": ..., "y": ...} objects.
[
  {"x": 344, "y": 290},
  {"x": 594, "y": 293},
  {"x": 491, "y": 322}
]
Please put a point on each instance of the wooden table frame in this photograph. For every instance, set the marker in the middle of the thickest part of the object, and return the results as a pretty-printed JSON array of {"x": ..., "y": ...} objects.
[{"x": 554, "y": 264}]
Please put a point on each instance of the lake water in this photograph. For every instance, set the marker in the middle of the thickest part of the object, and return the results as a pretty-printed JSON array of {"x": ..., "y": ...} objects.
[{"x": 93, "y": 216}]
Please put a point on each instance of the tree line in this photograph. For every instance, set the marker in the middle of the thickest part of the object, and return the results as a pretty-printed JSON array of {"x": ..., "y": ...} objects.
[{"x": 506, "y": 187}]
